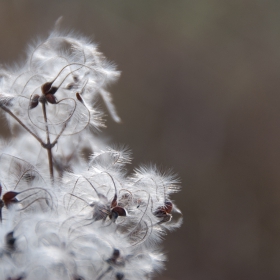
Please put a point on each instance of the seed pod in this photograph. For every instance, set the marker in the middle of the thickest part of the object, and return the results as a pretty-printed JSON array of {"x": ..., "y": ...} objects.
[
  {"x": 10, "y": 240},
  {"x": 10, "y": 198},
  {"x": 168, "y": 206},
  {"x": 116, "y": 212},
  {"x": 80, "y": 98},
  {"x": 163, "y": 210},
  {"x": 166, "y": 218},
  {"x": 21, "y": 277},
  {"x": 160, "y": 212},
  {"x": 77, "y": 277},
  {"x": 46, "y": 87},
  {"x": 52, "y": 90},
  {"x": 114, "y": 202},
  {"x": 34, "y": 101},
  {"x": 119, "y": 276},
  {"x": 70, "y": 86},
  {"x": 50, "y": 98},
  {"x": 116, "y": 258},
  {"x": 121, "y": 211}
]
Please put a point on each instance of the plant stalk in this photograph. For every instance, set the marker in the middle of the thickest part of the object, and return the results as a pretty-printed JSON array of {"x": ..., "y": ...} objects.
[{"x": 48, "y": 145}]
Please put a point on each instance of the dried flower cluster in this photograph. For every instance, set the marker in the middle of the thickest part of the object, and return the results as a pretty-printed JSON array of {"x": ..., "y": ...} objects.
[{"x": 63, "y": 216}]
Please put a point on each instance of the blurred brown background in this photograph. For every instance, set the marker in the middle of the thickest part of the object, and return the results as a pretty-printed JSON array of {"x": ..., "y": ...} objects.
[{"x": 199, "y": 92}]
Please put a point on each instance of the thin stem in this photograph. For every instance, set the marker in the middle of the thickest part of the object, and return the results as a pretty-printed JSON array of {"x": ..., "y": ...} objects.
[
  {"x": 22, "y": 124},
  {"x": 66, "y": 122},
  {"x": 48, "y": 146},
  {"x": 60, "y": 133}
]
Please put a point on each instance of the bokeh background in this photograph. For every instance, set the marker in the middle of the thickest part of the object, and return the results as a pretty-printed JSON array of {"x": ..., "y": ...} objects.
[{"x": 199, "y": 93}]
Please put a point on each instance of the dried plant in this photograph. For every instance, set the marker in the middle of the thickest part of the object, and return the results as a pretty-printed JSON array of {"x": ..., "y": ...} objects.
[{"x": 63, "y": 216}]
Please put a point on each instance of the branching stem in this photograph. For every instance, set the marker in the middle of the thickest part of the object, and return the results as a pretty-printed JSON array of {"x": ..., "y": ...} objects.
[{"x": 21, "y": 123}]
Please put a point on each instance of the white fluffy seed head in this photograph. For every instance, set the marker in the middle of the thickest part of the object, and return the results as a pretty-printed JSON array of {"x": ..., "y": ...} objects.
[{"x": 89, "y": 219}]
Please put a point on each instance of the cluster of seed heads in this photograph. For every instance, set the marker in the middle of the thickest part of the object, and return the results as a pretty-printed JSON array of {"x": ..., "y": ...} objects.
[{"x": 68, "y": 207}]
